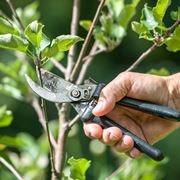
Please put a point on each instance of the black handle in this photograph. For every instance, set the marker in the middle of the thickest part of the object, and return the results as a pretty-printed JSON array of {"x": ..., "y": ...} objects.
[
  {"x": 140, "y": 144},
  {"x": 155, "y": 109}
]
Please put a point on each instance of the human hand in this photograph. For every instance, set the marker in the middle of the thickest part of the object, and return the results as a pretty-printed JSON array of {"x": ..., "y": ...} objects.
[{"x": 155, "y": 89}]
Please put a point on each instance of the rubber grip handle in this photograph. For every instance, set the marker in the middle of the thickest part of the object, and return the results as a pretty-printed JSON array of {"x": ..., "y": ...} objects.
[
  {"x": 140, "y": 144},
  {"x": 155, "y": 109}
]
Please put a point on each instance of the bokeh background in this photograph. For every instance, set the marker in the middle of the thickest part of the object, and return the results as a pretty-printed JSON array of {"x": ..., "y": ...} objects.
[{"x": 56, "y": 15}]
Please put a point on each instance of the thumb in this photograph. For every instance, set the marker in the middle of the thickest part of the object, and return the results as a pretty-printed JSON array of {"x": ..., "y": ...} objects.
[{"x": 111, "y": 93}]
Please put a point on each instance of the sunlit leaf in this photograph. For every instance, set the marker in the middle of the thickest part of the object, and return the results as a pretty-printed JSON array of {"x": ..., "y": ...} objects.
[
  {"x": 45, "y": 42},
  {"x": 5, "y": 116},
  {"x": 138, "y": 27},
  {"x": 148, "y": 18},
  {"x": 78, "y": 168},
  {"x": 173, "y": 42},
  {"x": 160, "y": 9},
  {"x": 6, "y": 26},
  {"x": 86, "y": 24},
  {"x": 13, "y": 42},
  {"x": 34, "y": 33},
  {"x": 60, "y": 44},
  {"x": 65, "y": 42}
]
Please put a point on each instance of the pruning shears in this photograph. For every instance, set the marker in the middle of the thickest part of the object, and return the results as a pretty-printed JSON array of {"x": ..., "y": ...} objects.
[{"x": 84, "y": 98}]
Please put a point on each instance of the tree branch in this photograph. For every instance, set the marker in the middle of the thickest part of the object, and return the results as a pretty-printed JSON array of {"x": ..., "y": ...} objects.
[
  {"x": 44, "y": 111},
  {"x": 142, "y": 57},
  {"x": 11, "y": 168},
  {"x": 87, "y": 40},
  {"x": 74, "y": 31},
  {"x": 58, "y": 65},
  {"x": 154, "y": 46},
  {"x": 62, "y": 137},
  {"x": 13, "y": 9}
]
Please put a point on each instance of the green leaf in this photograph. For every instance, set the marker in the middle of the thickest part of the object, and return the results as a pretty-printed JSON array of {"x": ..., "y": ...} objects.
[
  {"x": 45, "y": 42},
  {"x": 115, "y": 7},
  {"x": 159, "y": 72},
  {"x": 78, "y": 168},
  {"x": 34, "y": 33},
  {"x": 6, "y": 26},
  {"x": 160, "y": 9},
  {"x": 8, "y": 71},
  {"x": 65, "y": 42},
  {"x": 5, "y": 116},
  {"x": 60, "y": 44},
  {"x": 118, "y": 31},
  {"x": 148, "y": 18},
  {"x": 11, "y": 91},
  {"x": 175, "y": 15},
  {"x": 86, "y": 24},
  {"x": 138, "y": 27},
  {"x": 126, "y": 15},
  {"x": 13, "y": 42},
  {"x": 11, "y": 141},
  {"x": 29, "y": 13},
  {"x": 173, "y": 42}
]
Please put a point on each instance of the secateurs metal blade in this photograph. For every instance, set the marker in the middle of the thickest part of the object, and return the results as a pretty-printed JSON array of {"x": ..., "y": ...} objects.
[{"x": 84, "y": 98}]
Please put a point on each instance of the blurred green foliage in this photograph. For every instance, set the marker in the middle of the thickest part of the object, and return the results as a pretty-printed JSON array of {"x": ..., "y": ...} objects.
[{"x": 30, "y": 157}]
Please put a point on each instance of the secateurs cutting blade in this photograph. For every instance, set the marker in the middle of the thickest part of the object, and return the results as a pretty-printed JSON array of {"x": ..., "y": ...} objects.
[{"x": 84, "y": 98}]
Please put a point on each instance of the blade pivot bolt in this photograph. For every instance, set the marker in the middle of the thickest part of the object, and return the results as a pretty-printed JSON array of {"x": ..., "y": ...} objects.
[{"x": 75, "y": 93}]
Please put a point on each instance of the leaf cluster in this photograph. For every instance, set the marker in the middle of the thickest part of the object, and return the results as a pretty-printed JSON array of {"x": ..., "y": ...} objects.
[
  {"x": 152, "y": 27},
  {"x": 113, "y": 23}
]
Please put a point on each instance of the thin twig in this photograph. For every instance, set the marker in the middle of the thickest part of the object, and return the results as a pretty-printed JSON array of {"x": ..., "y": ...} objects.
[
  {"x": 117, "y": 171},
  {"x": 44, "y": 111},
  {"x": 74, "y": 121},
  {"x": 153, "y": 47},
  {"x": 11, "y": 168},
  {"x": 142, "y": 57},
  {"x": 58, "y": 65},
  {"x": 87, "y": 40},
  {"x": 74, "y": 31},
  {"x": 172, "y": 28},
  {"x": 86, "y": 64},
  {"x": 13, "y": 9},
  {"x": 37, "y": 108}
]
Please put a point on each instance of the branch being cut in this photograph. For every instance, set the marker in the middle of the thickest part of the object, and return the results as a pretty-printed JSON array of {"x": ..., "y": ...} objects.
[
  {"x": 87, "y": 40},
  {"x": 44, "y": 111}
]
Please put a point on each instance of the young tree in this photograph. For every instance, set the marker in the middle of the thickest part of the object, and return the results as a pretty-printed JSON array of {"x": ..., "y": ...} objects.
[{"x": 24, "y": 35}]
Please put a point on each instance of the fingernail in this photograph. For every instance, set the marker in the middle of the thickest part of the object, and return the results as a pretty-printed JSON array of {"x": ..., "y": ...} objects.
[
  {"x": 98, "y": 107},
  {"x": 126, "y": 140},
  {"x": 113, "y": 137}
]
